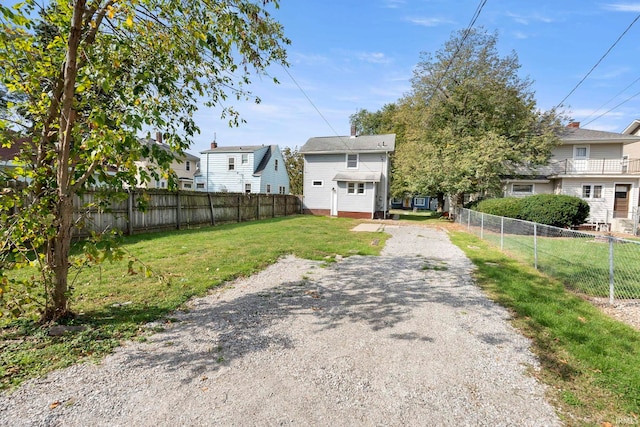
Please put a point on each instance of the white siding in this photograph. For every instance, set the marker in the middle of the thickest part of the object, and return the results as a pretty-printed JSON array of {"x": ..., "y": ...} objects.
[{"x": 320, "y": 167}]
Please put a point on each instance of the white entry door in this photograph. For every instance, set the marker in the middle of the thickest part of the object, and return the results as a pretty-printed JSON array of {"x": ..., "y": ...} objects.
[{"x": 334, "y": 202}]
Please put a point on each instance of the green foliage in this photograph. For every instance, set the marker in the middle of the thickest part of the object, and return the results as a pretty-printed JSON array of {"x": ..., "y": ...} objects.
[
  {"x": 469, "y": 119},
  {"x": 554, "y": 209},
  {"x": 375, "y": 123},
  {"x": 510, "y": 207},
  {"x": 81, "y": 80},
  {"x": 294, "y": 162}
]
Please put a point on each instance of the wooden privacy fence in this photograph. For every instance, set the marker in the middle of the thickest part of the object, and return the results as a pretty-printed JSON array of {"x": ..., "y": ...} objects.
[{"x": 140, "y": 211}]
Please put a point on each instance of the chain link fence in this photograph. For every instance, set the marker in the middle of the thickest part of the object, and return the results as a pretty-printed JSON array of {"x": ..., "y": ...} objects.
[{"x": 596, "y": 265}]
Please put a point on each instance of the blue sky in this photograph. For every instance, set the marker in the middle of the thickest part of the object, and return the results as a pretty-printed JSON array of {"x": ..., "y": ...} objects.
[{"x": 348, "y": 55}]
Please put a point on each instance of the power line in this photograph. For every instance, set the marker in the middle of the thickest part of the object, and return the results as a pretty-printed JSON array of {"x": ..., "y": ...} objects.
[
  {"x": 613, "y": 108},
  {"x": 611, "y": 99},
  {"x": 597, "y": 63}
]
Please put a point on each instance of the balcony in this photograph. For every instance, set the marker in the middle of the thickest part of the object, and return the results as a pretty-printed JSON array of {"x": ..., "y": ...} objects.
[{"x": 595, "y": 167}]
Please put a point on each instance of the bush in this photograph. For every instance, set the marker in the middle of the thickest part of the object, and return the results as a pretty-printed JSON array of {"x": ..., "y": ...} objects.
[
  {"x": 556, "y": 210},
  {"x": 510, "y": 207}
]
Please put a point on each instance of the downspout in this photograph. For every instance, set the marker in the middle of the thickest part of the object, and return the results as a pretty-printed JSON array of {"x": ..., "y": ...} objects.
[
  {"x": 386, "y": 185},
  {"x": 373, "y": 207}
]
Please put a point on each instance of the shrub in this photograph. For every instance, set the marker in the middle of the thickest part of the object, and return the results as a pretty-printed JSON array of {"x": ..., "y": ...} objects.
[
  {"x": 553, "y": 209},
  {"x": 509, "y": 207}
]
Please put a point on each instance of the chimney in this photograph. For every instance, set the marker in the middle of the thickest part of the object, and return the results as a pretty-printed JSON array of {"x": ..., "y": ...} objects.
[
  {"x": 574, "y": 125},
  {"x": 353, "y": 131},
  {"x": 214, "y": 145},
  {"x": 159, "y": 137}
]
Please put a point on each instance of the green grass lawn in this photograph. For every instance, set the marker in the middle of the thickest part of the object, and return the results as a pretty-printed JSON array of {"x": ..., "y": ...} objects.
[
  {"x": 590, "y": 362},
  {"x": 114, "y": 305}
]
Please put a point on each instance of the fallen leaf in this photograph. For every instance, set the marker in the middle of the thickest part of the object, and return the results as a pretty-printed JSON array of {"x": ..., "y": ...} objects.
[
  {"x": 54, "y": 405},
  {"x": 582, "y": 319}
]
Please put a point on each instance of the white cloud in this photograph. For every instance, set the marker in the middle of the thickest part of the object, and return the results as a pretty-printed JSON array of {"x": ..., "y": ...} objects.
[
  {"x": 623, "y": 7},
  {"x": 374, "y": 57},
  {"x": 393, "y": 4},
  {"x": 527, "y": 19},
  {"x": 430, "y": 22}
]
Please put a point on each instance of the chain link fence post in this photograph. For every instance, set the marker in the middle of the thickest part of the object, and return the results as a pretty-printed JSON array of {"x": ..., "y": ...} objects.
[{"x": 611, "y": 271}]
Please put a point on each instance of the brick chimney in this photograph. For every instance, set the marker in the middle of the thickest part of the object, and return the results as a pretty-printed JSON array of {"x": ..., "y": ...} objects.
[
  {"x": 214, "y": 145},
  {"x": 353, "y": 131},
  {"x": 159, "y": 137},
  {"x": 574, "y": 125}
]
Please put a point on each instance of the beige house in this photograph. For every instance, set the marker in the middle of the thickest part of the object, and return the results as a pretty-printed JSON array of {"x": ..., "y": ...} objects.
[
  {"x": 603, "y": 168},
  {"x": 184, "y": 167}
]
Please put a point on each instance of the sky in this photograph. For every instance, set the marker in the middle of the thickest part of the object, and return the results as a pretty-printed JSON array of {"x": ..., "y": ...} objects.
[{"x": 347, "y": 55}]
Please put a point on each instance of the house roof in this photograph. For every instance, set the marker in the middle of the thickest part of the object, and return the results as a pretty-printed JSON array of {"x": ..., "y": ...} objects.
[
  {"x": 264, "y": 162},
  {"x": 358, "y": 176},
  {"x": 347, "y": 144},
  {"x": 573, "y": 135},
  {"x": 235, "y": 149},
  {"x": 186, "y": 156},
  {"x": 633, "y": 128}
]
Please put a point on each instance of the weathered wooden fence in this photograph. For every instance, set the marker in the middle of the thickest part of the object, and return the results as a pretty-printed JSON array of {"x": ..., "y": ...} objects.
[{"x": 140, "y": 211}]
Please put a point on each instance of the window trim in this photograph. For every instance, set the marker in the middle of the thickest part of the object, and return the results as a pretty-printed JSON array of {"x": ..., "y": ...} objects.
[
  {"x": 268, "y": 188},
  {"x": 514, "y": 184},
  {"x": 247, "y": 188},
  {"x": 575, "y": 152},
  {"x": 244, "y": 159},
  {"x": 317, "y": 183},
  {"x": 357, "y": 160},
  {"x": 231, "y": 163},
  {"x": 356, "y": 188},
  {"x": 275, "y": 163},
  {"x": 592, "y": 191},
  {"x": 187, "y": 165},
  {"x": 199, "y": 185}
]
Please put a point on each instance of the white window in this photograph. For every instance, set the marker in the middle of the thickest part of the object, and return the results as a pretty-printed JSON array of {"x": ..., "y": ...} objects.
[
  {"x": 187, "y": 185},
  {"x": 232, "y": 163},
  {"x": 268, "y": 188},
  {"x": 355, "y": 187},
  {"x": 317, "y": 183},
  {"x": 591, "y": 191},
  {"x": 420, "y": 201},
  {"x": 282, "y": 189},
  {"x": 581, "y": 152},
  {"x": 276, "y": 164},
  {"x": 247, "y": 188},
  {"x": 200, "y": 185},
  {"x": 352, "y": 161},
  {"x": 522, "y": 188},
  {"x": 245, "y": 158},
  {"x": 187, "y": 165}
]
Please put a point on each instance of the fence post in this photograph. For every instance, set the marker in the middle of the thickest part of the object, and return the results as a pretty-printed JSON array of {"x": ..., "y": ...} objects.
[
  {"x": 178, "y": 210},
  {"x": 213, "y": 216},
  {"x": 130, "y": 213},
  {"x": 482, "y": 226},
  {"x": 501, "y": 233},
  {"x": 258, "y": 207},
  {"x": 468, "y": 219},
  {"x": 285, "y": 205},
  {"x": 535, "y": 245},
  {"x": 239, "y": 212},
  {"x": 611, "y": 271},
  {"x": 273, "y": 206}
]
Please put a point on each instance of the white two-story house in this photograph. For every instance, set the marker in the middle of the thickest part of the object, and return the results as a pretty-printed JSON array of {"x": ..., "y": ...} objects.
[
  {"x": 347, "y": 176},
  {"x": 593, "y": 165},
  {"x": 243, "y": 169}
]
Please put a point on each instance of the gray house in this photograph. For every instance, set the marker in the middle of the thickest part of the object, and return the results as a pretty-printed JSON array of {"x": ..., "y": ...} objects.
[{"x": 347, "y": 176}]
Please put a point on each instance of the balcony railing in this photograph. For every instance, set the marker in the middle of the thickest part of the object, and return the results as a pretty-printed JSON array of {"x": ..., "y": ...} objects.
[{"x": 595, "y": 166}]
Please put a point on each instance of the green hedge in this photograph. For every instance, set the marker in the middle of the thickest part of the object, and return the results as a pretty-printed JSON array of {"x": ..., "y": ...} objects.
[
  {"x": 556, "y": 210},
  {"x": 550, "y": 209}
]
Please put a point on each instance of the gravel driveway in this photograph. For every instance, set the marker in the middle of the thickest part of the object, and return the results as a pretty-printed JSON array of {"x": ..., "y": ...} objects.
[{"x": 401, "y": 339}]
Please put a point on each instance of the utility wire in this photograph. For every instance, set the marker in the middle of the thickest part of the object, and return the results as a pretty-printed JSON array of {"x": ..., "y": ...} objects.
[
  {"x": 610, "y": 100},
  {"x": 613, "y": 108},
  {"x": 598, "y": 63}
]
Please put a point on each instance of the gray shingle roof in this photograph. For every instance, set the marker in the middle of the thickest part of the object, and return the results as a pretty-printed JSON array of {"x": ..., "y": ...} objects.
[
  {"x": 347, "y": 144},
  {"x": 572, "y": 135},
  {"x": 235, "y": 149}
]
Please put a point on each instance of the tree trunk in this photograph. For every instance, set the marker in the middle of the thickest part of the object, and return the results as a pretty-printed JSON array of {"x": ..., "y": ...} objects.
[
  {"x": 58, "y": 260},
  {"x": 440, "y": 207}
]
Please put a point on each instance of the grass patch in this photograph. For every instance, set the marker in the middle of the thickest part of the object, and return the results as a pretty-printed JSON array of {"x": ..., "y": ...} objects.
[
  {"x": 113, "y": 305},
  {"x": 418, "y": 216},
  {"x": 589, "y": 360}
]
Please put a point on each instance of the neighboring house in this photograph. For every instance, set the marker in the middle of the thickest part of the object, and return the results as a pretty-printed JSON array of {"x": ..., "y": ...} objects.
[
  {"x": 412, "y": 202},
  {"x": 184, "y": 167},
  {"x": 243, "y": 169},
  {"x": 347, "y": 176},
  {"x": 8, "y": 154},
  {"x": 594, "y": 166}
]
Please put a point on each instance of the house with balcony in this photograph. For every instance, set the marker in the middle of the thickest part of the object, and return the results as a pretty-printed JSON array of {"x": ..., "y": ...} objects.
[
  {"x": 243, "y": 169},
  {"x": 594, "y": 165}
]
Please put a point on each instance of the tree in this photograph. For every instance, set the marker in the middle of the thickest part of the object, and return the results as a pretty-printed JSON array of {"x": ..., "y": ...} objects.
[
  {"x": 294, "y": 162},
  {"x": 91, "y": 75},
  {"x": 374, "y": 123},
  {"x": 469, "y": 120}
]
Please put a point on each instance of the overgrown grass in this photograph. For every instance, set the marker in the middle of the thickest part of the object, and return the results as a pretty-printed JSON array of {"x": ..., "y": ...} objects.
[
  {"x": 114, "y": 305},
  {"x": 589, "y": 360}
]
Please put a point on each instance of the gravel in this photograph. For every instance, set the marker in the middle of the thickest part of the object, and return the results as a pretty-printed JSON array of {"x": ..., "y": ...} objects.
[{"x": 406, "y": 338}]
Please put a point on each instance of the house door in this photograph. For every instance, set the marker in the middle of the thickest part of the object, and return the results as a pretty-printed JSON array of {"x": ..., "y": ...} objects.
[
  {"x": 406, "y": 203},
  {"x": 334, "y": 202},
  {"x": 621, "y": 201}
]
